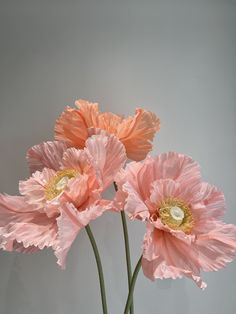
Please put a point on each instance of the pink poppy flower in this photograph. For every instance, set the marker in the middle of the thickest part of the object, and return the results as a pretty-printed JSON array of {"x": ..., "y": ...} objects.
[
  {"x": 184, "y": 230},
  {"x": 136, "y": 133},
  {"x": 62, "y": 195}
]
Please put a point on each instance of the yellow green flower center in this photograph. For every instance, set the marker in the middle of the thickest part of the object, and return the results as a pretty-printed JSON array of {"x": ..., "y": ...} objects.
[
  {"x": 176, "y": 214},
  {"x": 58, "y": 183}
]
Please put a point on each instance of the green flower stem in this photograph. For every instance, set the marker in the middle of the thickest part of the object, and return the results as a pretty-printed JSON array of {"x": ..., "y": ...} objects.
[
  {"x": 99, "y": 266},
  {"x": 131, "y": 289},
  {"x": 127, "y": 251}
]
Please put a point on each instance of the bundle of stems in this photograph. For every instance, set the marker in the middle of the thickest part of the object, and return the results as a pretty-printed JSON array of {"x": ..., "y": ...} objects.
[{"x": 129, "y": 307}]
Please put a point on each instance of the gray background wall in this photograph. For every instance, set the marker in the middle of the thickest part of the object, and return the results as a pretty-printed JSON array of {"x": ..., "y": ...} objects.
[{"x": 176, "y": 58}]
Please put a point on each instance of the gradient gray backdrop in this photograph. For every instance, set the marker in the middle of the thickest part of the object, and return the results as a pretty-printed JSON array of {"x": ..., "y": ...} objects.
[{"x": 176, "y": 58}]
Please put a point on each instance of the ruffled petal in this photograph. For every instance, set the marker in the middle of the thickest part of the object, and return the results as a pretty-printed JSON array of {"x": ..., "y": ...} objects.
[
  {"x": 40, "y": 232},
  {"x": 13, "y": 207},
  {"x": 170, "y": 165},
  {"x": 77, "y": 191},
  {"x": 164, "y": 256},
  {"x": 163, "y": 189},
  {"x": 137, "y": 133},
  {"x": 34, "y": 188},
  {"x": 179, "y": 168},
  {"x": 93, "y": 211},
  {"x": 134, "y": 205},
  {"x": 93, "y": 118},
  {"x": 109, "y": 122},
  {"x": 216, "y": 248},
  {"x": 168, "y": 188},
  {"x": 78, "y": 159},
  {"x": 71, "y": 127},
  {"x": 45, "y": 155},
  {"x": 22, "y": 225},
  {"x": 127, "y": 175},
  {"x": 89, "y": 112},
  {"x": 213, "y": 200},
  {"x": 107, "y": 155},
  {"x": 158, "y": 269},
  {"x": 208, "y": 208},
  {"x": 14, "y": 204},
  {"x": 71, "y": 221},
  {"x": 68, "y": 228}
]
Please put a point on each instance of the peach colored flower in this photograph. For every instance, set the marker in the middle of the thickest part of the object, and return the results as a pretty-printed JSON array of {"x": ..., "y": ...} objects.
[
  {"x": 62, "y": 195},
  {"x": 136, "y": 133},
  {"x": 184, "y": 230}
]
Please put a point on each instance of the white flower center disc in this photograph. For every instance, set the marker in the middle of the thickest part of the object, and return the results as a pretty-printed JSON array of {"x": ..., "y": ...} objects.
[
  {"x": 62, "y": 183},
  {"x": 177, "y": 213}
]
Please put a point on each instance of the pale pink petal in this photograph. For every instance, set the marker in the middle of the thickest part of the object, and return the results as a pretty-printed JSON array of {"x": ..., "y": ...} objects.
[
  {"x": 71, "y": 127},
  {"x": 77, "y": 191},
  {"x": 20, "y": 224},
  {"x": 134, "y": 206},
  {"x": 137, "y": 133},
  {"x": 168, "y": 188},
  {"x": 78, "y": 159},
  {"x": 93, "y": 211},
  {"x": 34, "y": 188},
  {"x": 213, "y": 200},
  {"x": 171, "y": 165},
  {"x": 68, "y": 228},
  {"x": 12, "y": 210},
  {"x": 158, "y": 269},
  {"x": 40, "y": 232},
  {"x": 71, "y": 221},
  {"x": 209, "y": 207},
  {"x": 217, "y": 247},
  {"x": 162, "y": 189},
  {"x": 127, "y": 175},
  {"x": 107, "y": 155},
  {"x": 170, "y": 253},
  {"x": 45, "y": 155},
  {"x": 177, "y": 167},
  {"x": 14, "y": 204},
  {"x": 166, "y": 256}
]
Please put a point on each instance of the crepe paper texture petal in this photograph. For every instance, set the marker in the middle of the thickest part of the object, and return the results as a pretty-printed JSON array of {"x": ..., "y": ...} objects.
[
  {"x": 21, "y": 223},
  {"x": 47, "y": 154},
  {"x": 184, "y": 230},
  {"x": 107, "y": 155},
  {"x": 135, "y": 132},
  {"x": 65, "y": 183},
  {"x": 71, "y": 221}
]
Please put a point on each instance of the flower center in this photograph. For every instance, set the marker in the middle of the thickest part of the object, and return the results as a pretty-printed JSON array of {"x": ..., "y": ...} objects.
[
  {"x": 176, "y": 214},
  {"x": 58, "y": 183},
  {"x": 62, "y": 183}
]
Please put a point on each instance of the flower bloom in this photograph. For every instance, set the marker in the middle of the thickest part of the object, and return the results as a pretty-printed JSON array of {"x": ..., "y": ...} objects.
[
  {"x": 62, "y": 195},
  {"x": 136, "y": 133},
  {"x": 184, "y": 230}
]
